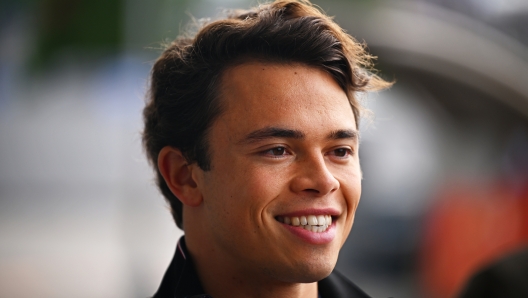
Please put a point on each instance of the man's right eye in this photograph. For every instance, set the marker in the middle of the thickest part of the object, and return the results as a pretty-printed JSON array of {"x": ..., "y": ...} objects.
[{"x": 276, "y": 152}]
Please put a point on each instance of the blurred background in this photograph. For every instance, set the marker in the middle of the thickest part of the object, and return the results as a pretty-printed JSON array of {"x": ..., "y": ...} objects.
[{"x": 445, "y": 155}]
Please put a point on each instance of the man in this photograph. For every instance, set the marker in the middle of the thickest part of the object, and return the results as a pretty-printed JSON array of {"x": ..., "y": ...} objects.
[{"x": 252, "y": 128}]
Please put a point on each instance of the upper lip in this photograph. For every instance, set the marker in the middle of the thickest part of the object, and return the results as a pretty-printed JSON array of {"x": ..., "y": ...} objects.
[{"x": 312, "y": 211}]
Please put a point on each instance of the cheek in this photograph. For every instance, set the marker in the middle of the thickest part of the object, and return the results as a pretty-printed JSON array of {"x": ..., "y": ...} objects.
[
  {"x": 260, "y": 185},
  {"x": 351, "y": 188},
  {"x": 250, "y": 188},
  {"x": 350, "y": 183},
  {"x": 353, "y": 191}
]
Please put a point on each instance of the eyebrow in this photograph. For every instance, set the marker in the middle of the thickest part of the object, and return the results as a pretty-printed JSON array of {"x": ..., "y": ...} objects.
[
  {"x": 277, "y": 132},
  {"x": 344, "y": 134},
  {"x": 272, "y": 132}
]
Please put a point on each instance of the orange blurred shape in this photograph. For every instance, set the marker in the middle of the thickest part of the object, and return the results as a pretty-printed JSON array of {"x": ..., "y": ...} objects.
[{"x": 469, "y": 227}]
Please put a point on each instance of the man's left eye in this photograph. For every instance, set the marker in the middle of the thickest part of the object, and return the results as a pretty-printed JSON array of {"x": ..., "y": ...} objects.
[{"x": 342, "y": 152}]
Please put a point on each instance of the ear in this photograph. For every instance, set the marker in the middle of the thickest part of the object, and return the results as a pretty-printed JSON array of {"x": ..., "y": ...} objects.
[{"x": 179, "y": 177}]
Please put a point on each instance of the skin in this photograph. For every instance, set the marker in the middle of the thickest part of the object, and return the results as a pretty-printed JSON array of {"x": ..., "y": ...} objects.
[{"x": 285, "y": 143}]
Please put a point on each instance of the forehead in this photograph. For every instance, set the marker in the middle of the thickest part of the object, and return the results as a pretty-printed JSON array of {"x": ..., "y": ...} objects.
[{"x": 274, "y": 93}]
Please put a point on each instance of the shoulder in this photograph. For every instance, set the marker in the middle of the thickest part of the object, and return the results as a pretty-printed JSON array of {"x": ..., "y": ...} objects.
[
  {"x": 505, "y": 278},
  {"x": 336, "y": 285}
]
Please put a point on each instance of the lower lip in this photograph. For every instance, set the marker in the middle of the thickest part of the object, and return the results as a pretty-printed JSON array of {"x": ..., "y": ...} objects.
[{"x": 312, "y": 237}]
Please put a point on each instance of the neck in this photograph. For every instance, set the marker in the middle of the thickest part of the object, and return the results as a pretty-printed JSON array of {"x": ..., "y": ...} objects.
[{"x": 221, "y": 277}]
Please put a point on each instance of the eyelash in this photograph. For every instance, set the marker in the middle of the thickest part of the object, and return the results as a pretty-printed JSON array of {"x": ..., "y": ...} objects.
[
  {"x": 349, "y": 152},
  {"x": 268, "y": 152}
]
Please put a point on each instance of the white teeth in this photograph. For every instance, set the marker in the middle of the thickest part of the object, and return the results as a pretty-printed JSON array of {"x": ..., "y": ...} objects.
[
  {"x": 295, "y": 221},
  {"x": 313, "y": 223},
  {"x": 321, "y": 220},
  {"x": 304, "y": 221},
  {"x": 312, "y": 220}
]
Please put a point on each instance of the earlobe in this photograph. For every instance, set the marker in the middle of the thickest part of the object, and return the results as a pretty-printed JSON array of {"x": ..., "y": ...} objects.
[{"x": 178, "y": 175}]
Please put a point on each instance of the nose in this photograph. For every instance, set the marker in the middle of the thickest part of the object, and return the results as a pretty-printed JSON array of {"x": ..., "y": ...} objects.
[{"x": 313, "y": 177}]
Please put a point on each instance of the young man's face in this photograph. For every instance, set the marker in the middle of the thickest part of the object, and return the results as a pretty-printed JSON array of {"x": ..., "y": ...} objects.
[{"x": 284, "y": 148}]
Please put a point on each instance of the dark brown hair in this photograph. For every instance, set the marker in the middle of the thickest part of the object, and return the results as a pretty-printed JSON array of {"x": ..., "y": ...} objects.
[{"x": 182, "y": 102}]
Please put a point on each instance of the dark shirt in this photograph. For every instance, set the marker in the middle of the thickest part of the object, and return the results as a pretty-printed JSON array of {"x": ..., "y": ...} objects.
[
  {"x": 507, "y": 278},
  {"x": 181, "y": 281}
]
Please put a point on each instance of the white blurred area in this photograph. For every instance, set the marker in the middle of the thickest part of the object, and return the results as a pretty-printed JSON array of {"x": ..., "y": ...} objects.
[
  {"x": 413, "y": 153},
  {"x": 80, "y": 215},
  {"x": 79, "y": 212}
]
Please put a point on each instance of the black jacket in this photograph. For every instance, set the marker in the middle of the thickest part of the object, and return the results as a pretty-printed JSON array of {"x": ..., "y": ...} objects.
[
  {"x": 181, "y": 281},
  {"x": 507, "y": 278}
]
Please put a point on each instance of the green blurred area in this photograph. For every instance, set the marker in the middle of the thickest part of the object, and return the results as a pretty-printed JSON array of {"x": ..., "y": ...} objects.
[
  {"x": 83, "y": 31},
  {"x": 85, "y": 27},
  {"x": 88, "y": 30}
]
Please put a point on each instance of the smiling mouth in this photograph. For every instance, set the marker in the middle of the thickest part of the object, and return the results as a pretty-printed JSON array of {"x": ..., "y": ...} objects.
[{"x": 313, "y": 223}]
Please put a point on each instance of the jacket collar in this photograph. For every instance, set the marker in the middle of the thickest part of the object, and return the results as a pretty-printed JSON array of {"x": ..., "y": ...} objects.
[{"x": 181, "y": 280}]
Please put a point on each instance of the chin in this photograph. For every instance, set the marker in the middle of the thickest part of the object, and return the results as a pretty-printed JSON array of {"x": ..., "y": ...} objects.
[{"x": 307, "y": 272}]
